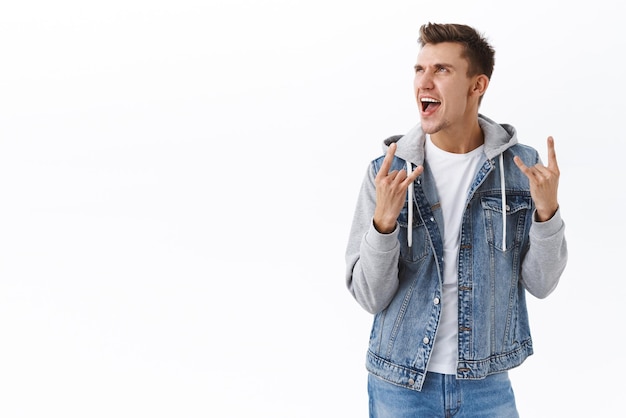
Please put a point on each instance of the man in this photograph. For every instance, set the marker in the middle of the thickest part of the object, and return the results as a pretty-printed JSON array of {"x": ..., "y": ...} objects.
[{"x": 453, "y": 225}]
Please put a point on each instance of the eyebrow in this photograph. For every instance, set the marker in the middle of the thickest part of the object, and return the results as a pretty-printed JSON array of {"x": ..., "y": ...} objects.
[{"x": 438, "y": 65}]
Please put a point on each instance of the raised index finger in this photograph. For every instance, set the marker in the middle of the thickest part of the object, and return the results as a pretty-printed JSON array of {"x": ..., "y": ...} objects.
[{"x": 384, "y": 168}]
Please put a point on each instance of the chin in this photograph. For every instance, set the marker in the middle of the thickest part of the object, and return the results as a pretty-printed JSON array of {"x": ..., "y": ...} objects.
[
  {"x": 433, "y": 126},
  {"x": 430, "y": 128}
]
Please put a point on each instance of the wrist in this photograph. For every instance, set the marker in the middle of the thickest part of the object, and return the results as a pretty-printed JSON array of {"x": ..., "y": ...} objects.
[
  {"x": 542, "y": 215},
  {"x": 384, "y": 227}
]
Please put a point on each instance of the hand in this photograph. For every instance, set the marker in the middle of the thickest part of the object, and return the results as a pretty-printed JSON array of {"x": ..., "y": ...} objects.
[
  {"x": 391, "y": 190},
  {"x": 544, "y": 182}
]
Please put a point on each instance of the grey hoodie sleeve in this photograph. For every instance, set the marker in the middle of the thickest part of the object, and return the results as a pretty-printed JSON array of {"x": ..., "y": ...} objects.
[
  {"x": 546, "y": 257},
  {"x": 371, "y": 257}
]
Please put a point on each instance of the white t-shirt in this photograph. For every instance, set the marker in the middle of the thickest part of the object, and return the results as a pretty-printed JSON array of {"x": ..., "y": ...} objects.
[{"x": 453, "y": 174}]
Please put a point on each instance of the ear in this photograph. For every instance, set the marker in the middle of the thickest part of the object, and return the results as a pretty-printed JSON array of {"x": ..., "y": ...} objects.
[{"x": 481, "y": 82}]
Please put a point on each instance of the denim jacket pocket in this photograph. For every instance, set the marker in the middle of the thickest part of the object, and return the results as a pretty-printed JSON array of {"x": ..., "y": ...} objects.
[{"x": 518, "y": 209}]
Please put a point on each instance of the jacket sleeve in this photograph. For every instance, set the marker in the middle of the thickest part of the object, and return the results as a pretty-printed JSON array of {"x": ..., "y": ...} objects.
[
  {"x": 371, "y": 257},
  {"x": 546, "y": 257}
]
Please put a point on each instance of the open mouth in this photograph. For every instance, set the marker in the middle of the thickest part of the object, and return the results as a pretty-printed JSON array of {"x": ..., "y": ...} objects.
[{"x": 429, "y": 104}]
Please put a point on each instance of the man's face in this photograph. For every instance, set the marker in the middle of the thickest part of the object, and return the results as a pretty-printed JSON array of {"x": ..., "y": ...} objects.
[{"x": 442, "y": 87}]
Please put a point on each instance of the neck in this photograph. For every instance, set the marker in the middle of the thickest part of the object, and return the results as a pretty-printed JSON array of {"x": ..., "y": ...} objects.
[{"x": 459, "y": 141}]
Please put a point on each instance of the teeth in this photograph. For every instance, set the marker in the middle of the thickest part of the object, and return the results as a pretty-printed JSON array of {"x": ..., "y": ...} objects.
[{"x": 429, "y": 100}]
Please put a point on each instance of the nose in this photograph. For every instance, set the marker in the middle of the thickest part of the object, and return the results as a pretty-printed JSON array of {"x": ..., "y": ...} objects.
[{"x": 423, "y": 80}]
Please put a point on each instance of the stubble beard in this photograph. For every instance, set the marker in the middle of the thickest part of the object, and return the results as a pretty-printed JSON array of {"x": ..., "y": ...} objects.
[{"x": 434, "y": 127}]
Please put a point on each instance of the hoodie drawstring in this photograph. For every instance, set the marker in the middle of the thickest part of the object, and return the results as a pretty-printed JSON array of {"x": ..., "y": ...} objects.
[
  {"x": 409, "y": 234},
  {"x": 503, "y": 191}
]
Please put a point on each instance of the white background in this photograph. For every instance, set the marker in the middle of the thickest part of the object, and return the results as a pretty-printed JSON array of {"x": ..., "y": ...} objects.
[{"x": 177, "y": 181}]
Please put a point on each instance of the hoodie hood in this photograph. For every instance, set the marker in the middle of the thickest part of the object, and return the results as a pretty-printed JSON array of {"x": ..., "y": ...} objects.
[{"x": 498, "y": 138}]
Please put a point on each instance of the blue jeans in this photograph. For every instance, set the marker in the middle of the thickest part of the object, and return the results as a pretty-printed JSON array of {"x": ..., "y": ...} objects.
[{"x": 444, "y": 396}]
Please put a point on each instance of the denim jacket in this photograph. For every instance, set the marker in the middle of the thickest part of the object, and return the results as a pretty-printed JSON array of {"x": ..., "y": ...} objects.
[{"x": 501, "y": 256}]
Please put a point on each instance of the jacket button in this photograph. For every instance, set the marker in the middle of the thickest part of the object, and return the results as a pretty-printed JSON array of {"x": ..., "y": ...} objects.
[
  {"x": 426, "y": 340},
  {"x": 411, "y": 382},
  {"x": 436, "y": 301}
]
